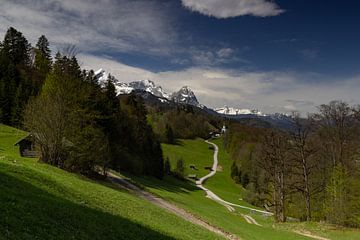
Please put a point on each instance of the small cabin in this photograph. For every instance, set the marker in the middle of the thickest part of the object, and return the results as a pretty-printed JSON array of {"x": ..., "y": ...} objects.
[{"x": 27, "y": 146}]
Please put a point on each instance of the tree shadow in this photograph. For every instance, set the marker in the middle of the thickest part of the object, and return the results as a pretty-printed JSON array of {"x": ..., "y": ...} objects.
[
  {"x": 28, "y": 212},
  {"x": 176, "y": 142},
  {"x": 168, "y": 183}
]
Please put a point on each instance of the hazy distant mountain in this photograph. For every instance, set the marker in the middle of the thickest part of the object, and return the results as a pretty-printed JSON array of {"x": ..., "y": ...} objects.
[{"x": 236, "y": 111}]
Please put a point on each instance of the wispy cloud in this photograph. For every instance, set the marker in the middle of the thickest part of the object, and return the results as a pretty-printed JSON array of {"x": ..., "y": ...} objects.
[
  {"x": 120, "y": 25},
  {"x": 233, "y": 8},
  {"x": 270, "y": 91}
]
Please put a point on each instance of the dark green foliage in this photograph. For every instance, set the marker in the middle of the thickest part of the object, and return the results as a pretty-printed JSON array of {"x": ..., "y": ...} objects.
[
  {"x": 82, "y": 127},
  {"x": 235, "y": 173},
  {"x": 167, "y": 167},
  {"x": 21, "y": 76},
  {"x": 179, "y": 171},
  {"x": 141, "y": 139},
  {"x": 245, "y": 180},
  {"x": 42, "y": 62},
  {"x": 169, "y": 134},
  {"x": 184, "y": 122},
  {"x": 16, "y": 48},
  {"x": 15, "y": 76}
]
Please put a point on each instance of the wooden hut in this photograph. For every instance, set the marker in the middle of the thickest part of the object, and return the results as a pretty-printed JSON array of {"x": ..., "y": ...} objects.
[{"x": 27, "y": 146}]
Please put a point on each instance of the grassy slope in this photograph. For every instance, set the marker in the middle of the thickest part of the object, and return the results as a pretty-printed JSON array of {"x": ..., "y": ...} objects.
[
  {"x": 38, "y": 201},
  {"x": 186, "y": 195}
]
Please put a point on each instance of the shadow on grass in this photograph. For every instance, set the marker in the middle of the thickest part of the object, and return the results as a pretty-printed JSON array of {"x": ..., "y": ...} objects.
[
  {"x": 176, "y": 142},
  {"x": 28, "y": 212},
  {"x": 168, "y": 183}
]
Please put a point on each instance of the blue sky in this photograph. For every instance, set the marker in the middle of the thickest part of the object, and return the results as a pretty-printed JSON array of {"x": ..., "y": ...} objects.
[{"x": 276, "y": 56}]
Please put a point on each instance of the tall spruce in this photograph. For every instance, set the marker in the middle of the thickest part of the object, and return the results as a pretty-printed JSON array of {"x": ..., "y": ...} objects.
[
  {"x": 42, "y": 62},
  {"x": 15, "y": 78}
]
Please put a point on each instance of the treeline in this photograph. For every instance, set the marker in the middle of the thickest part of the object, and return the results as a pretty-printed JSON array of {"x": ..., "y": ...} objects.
[
  {"x": 22, "y": 72},
  {"x": 77, "y": 124},
  {"x": 310, "y": 173},
  {"x": 183, "y": 122}
]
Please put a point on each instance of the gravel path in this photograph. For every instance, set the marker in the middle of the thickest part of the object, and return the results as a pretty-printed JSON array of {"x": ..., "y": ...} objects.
[
  {"x": 215, "y": 197},
  {"x": 123, "y": 183}
]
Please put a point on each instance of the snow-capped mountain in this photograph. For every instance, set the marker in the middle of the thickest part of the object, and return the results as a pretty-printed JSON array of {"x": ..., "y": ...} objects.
[
  {"x": 235, "y": 111},
  {"x": 185, "y": 95},
  {"x": 126, "y": 88},
  {"x": 149, "y": 86},
  {"x": 150, "y": 91}
]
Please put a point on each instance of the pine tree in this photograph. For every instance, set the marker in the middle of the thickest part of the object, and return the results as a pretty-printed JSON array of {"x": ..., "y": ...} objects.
[
  {"x": 42, "y": 62},
  {"x": 169, "y": 134},
  {"x": 16, "y": 47},
  {"x": 167, "y": 166},
  {"x": 180, "y": 169},
  {"x": 14, "y": 68}
]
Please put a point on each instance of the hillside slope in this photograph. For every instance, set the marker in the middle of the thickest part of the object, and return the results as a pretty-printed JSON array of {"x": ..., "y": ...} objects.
[
  {"x": 38, "y": 201},
  {"x": 186, "y": 195}
]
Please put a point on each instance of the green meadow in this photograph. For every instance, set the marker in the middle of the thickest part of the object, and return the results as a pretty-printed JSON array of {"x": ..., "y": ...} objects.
[
  {"x": 186, "y": 195},
  {"x": 38, "y": 201}
]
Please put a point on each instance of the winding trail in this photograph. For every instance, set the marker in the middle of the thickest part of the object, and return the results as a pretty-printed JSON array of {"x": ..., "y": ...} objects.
[
  {"x": 230, "y": 206},
  {"x": 127, "y": 185}
]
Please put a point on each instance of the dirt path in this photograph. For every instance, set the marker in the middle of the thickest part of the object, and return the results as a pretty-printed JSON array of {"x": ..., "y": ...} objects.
[
  {"x": 123, "y": 183},
  {"x": 230, "y": 206},
  {"x": 310, "y": 235},
  {"x": 250, "y": 220}
]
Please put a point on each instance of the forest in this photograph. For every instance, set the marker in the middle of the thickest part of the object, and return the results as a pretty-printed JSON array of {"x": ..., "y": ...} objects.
[
  {"x": 310, "y": 172},
  {"x": 78, "y": 125}
]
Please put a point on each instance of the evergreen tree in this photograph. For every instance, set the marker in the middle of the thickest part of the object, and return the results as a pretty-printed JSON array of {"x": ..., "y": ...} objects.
[
  {"x": 180, "y": 169},
  {"x": 169, "y": 134},
  {"x": 167, "y": 167},
  {"x": 16, "y": 48},
  {"x": 15, "y": 87},
  {"x": 42, "y": 62}
]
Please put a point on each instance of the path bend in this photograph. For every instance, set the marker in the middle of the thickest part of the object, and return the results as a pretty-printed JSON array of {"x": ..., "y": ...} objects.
[{"x": 230, "y": 206}]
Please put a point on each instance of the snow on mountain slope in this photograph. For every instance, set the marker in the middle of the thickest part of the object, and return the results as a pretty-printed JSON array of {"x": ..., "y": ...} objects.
[
  {"x": 149, "y": 86},
  {"x": 235, "y": 111},
  {"x": 126, "y": 88},
  {"x": 185, "y": 95}
]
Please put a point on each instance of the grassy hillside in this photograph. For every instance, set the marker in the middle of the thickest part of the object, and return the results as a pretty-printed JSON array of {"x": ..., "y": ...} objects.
[
  {"x": 38, "y": 201},
  {"x": 188, "y": 196}
]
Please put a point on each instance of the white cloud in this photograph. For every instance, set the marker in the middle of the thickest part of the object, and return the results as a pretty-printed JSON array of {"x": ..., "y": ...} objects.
[
  {"x": 267, "y": 91},
  {"x": 233, "y": 8},
  {"x": 120, "y": 25},
  {"x": 214, "y": 56}
]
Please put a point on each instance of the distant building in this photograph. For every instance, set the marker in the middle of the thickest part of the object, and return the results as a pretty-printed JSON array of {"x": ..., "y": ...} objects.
[
  {"x": 27, "y": 146},
  {"x": 223, "y": 130}
]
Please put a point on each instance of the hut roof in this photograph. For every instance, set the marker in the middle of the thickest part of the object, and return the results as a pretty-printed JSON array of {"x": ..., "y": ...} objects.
[{"x": 28, "y": 137}]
